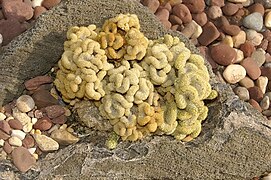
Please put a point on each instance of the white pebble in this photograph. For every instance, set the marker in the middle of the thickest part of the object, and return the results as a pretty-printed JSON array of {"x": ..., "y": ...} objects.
[
  {"x": 22, "y": 117},
  {"x": 234, "y": 73},
  {"x": 18, "y": 133},
  {"x": 34, "y": 120},
  {"x": 262, "y": 82},
  {"x": 36, "y": 3},
  {"x": 2, "y": 142},
  {"x": 267, "y": 20},
  {"x": 240, "y": 55},
  {"x": 2, "y": 116},
  {"x": 28, "y": 127},
  {"x": 25, "y": 103},
  {"x": 15, "y": 141},
  {"x": 32, "y": 150},
  {"x": 9, "y": 118}
]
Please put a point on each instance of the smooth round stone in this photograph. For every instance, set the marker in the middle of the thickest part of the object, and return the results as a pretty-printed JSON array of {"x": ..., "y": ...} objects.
[
  {"x": 265, "y": 102},
  {"x": 254, "y": 37},
  {"x": 255, "y": 105},
  {"x": 22, "y": 117},
  {"x": 240, "y": 56},
  {"x": 2, "y": 116},
  {"x": 247, "y": 48},
  {"x": 254, "y": 21},
  {"x": 248, "y": 3},
  {"x": 268, "y": 94},
  {"x": 214, "y": 12},
  {"x": 15, "y": 124},
  {"x": 242, "y": 93},
  {"x": 234, "y": 73},
  {"x": 18, "y": 133},
  {"x": 267, "y": 20},
  {"x": 259, "y": 56},
  {"x": 255, "y": 93},
  {"x": 228, "y": 40},
  {"x": 25, "y": 103},
  {"x": 63, "y": 137},
  {"x": 239, "y": 39},
  {"x": 267, "y": 113},
  {"x": 22, "y": 159},
  {"x": 28, "y": 127},
  {"x": 223, "y": 54},
  {"x": 15, "y": 141},
  {"x": 262, "y": 82},
  {"x": 46, "y": 143},
  {"x": 28, "y": 141},
  {"x": 251, "y": 67},
  {"x": 153, "y": 5}
]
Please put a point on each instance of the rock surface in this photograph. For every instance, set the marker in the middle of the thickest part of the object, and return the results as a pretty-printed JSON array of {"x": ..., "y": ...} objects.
[{"x": 234, "y": 143}]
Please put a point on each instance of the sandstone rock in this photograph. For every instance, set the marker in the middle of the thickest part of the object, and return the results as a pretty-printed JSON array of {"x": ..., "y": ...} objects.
[
  {"x": 192, "y": 30},
  {"x": 240, "y": 56},
  {"x": 46, "y": 143},
  {"x": 15, "y": 124},
  {"x": 28, "y": 127},
  {"x": 60, "y": 119},
  {"x": 227, "y": 40},
  {"x": 209, "y": 34},
  {"x": 175, "y": 20},
  {"x": 263, "y": 45},
  {"x": 63, "y": 137},
  {"x": 182, "y": 12},
  {"x": 162, "y": 14},
  {"x": 36, "y": 3},
  {"x": 22, "y": 159},
  {"x": 234, "y": 73},
  {"x": 43, "y": 124},
  {"x": 232, "y": 30},
  {"x": 219, "y": 3},
  {"x": 266, "y": 71},
  {"x": 223, "y": 54},
  {"x": 25, "y": 103},
  {"x": 267, "y": 20},
  {"x": 3, "y": 135},
  {"x": 267, "y": 34},
  {"x": 237, "y": 1},
  {"x": 151, "y": 4},
  {"x": 251, "y": 67}
]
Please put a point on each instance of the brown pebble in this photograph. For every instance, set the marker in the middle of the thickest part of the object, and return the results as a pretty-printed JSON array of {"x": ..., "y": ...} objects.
[
  {"x": 54, "y": 111},
  {"x": 230, "y": 9},
  {"x": 219, "y": 3},
  {"x": 251, "y": 67},
  {"x": 35, "y": 82},
  {"x": 200, "y": 18},
  {"x": 162, "y": 14},
  {"x": 15, "y": 124},
  {"x": 22, "y": 159},
  {"x": 43, "y": 124},
  {"x": 4, "y": 135},
  {"x": 7, "y": 147},
  {"x": 209, "y": 34},
  {"x": 166, "y": 23},
  {"x": 257, "y": 7},
  {"x": 255, "y": 93},
  {"x": 50, "y": 3},
  {"x": 60, "y": 119},
  {"x": 223, "y": 54},
  {"x": 28, "y": 141},
  {"x": 174, "y": 27},
  {"x": 247, "y": 48},
  {"x": 268, "y": 49},
  {"x": 267, "y": 35},
  {"x": 38, "y": 114},
  {"x": 255, "y": 105},
  {"x": 4, "y": 126},
  {"x": 221, "y": 21},
  {"x": 206, "y": 53},
  {"x": 266, "y": 71},
  {"x": 167, "y": 6},
  {"x": 43, "y": 98},
  {"x": 151, "y": 4},
  {"x": 232, "y": 30},
  {"x": 38, "y": 11},
  {"x": 175, "y": 20},
  {"x": 182, "y": 12},
  {"x": 263, "y": 45},
  {"x": 195, "y": 6}
]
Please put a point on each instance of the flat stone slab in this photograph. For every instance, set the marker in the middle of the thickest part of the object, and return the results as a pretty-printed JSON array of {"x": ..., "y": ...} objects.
[{"x": 235, "y": 139}]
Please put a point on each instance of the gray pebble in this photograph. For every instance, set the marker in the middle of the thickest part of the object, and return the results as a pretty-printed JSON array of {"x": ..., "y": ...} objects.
[
  {"x": 265, "y": 3},
  {"x": 253, "y": 21},
  {"x": 242, "y": 93}
]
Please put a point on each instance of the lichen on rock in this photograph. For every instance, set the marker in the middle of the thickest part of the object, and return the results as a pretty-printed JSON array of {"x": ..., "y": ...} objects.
[{"x": 143, "y": 86}]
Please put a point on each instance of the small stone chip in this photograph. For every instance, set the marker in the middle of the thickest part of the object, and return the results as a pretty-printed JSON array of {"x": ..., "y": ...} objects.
[
  {"x": 63, "y": 137},
  {"x": 46, "y": 143}
]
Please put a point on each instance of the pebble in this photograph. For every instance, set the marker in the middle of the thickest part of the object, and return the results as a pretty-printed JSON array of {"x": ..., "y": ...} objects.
[
  {"x": 192, "y": 30},
  {"x": 265, "y": 102},
  {"x": 22, "y": 117},
  {"x": 234, "y": 73},
  {"x": 259, "y": 57},
  {"x": 237, "y": 1},
  {"x": 228, "y": 40},
  {"x": 242, "y": 93},
  {"x": 28, "y": 141},
  {"x": 32, "y": 150},
  {"x": 252, "y": 68},
  {"x": 7, "y": 147},
  {"x": 181, "y": 11},
  {"x": 210, "y": 33},
  {"x": 22, "y": 159},
  {"x": 267, "y": 113},
  {"x": 4, "y": 126},
  {"x": 255, "y": 105},
  {"x": 195, "y": 6},
  {"x": 28, "y": 127},
  {"x": 34, "y": 120},
  {"x": 223, "y": 54},
  {"x": 18, "y": 133},
  {"x": 43, "y": 124},
  {"x": 254, "y": 37},
  {"x": 36, "y": 3},
  {"x": 175, "y": 20},
  {"x": 153, "y": 5},
  {"x": 2, "y": 116},
  {"x": 266, "y": 71},
  {"x": 262, "y": 82},
  {"x": 267, "y": 19},
  {"x": 1, "y": 39},
  {"x": 230, "y": 9},
  {"x": 232, "y": 30},
  {"x": 257, "y": 7},
  {"x": 54, "y": 111},
  {"x": 4, "y": 135},
  {"x": 200, "y": 18},
  {"x": 247, "y": 3},
  {"x": 219, "y": 3},
  {"x": 38, "y": 11},
  {"x": 25, "y": 103},
  {"x": 239, "y": 39},
  {"x": 2, "y": 142},
  {"x": 265, "y": 3},
  {"x": 15, "y": 124},
  {"x": 240, "y": 56},
  {"x": 255, "y": 93},
  {"x": 254, "y": 21},
  {"x": 162, "y": 14},
  {"x": 247, "y": 48},
  {"x": 214, "y": 12},
  {"x": 17, "y": 9},
  {"x": 63, "y": 137},
  {"x": 15, "y": 141},
  {"x": 38, "y": 114},
  {"x": 60, "y": 119},
  {"x": 46, "y": 143},
  {"x": 43, "y": 98},
  {"x": 50, "y": 3},
  {"x": 34, "y": 83}
]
